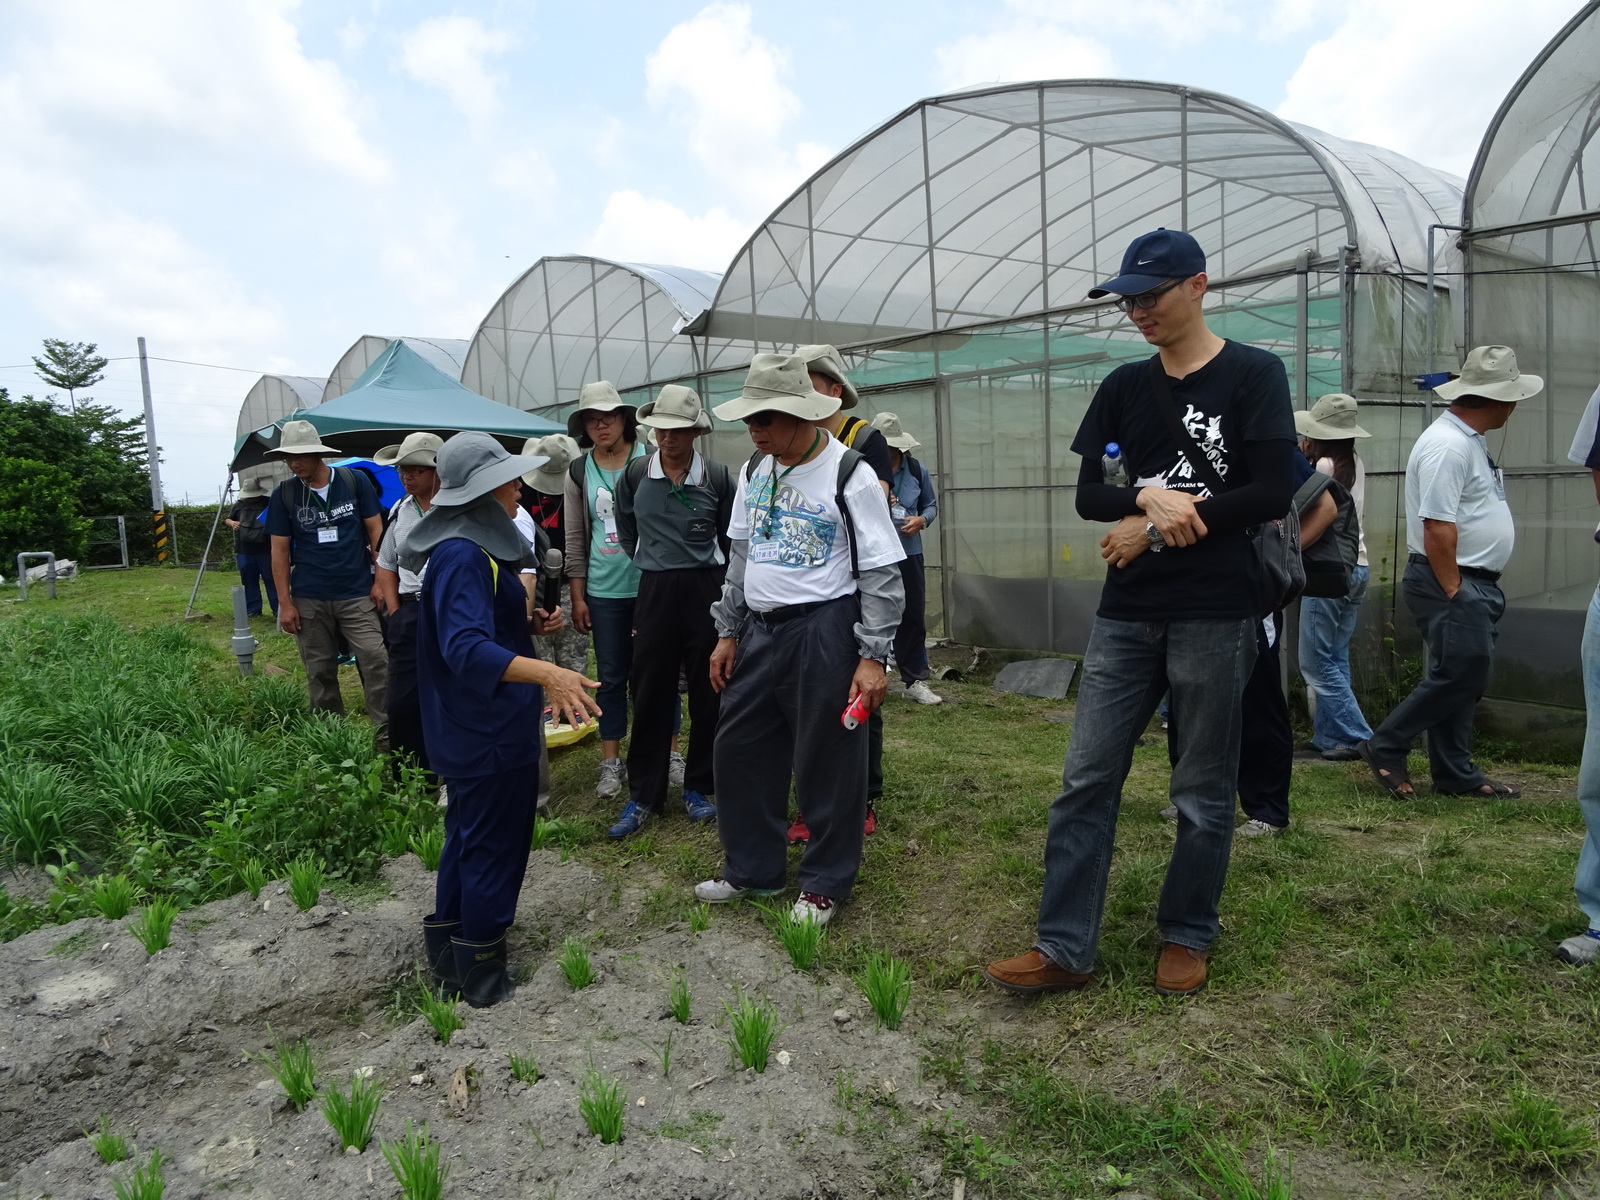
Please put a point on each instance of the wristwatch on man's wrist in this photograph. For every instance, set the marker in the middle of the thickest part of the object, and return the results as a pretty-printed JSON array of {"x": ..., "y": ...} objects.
[{"x": 1157, "y": 542}]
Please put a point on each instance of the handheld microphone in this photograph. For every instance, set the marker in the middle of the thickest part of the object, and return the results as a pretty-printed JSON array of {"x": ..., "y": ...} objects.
[{"x": 550, "y": 580}]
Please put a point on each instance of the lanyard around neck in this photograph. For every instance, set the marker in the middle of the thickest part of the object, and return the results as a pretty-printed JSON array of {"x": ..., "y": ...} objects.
[{"x": 772, "y": 501}]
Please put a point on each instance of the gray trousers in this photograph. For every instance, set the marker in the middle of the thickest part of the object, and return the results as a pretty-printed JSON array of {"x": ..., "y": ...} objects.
[
  {"x": 1460, "y": 636},
  {"x": 321, "y": 623},
  {"x": 780, "y": 720}
]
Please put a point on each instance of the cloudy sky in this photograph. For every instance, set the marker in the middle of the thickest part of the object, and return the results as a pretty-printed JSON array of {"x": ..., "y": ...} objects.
[{"x": 253, "y": 184}]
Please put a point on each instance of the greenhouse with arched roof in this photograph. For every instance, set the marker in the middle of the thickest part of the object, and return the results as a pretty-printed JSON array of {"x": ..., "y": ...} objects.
[
  {"x": 269, "y": 400},
  {"x": 448, "y": 354}
]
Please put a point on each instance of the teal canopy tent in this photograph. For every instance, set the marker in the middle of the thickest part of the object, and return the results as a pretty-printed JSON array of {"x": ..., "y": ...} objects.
[{"x": 399, "y": 393}]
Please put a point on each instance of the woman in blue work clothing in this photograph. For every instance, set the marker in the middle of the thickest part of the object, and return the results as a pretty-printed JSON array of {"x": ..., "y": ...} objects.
[{"x": 482, "y": 691}]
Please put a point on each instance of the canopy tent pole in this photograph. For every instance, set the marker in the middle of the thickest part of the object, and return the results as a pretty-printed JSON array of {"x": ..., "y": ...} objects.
[{"x": 205, "y": 555}]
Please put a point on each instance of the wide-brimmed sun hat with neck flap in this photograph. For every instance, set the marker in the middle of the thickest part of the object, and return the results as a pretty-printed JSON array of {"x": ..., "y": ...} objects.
[
  {"x": 1491, "y": 372},
  {"x": 1331, "y": 419},
  {"x": 472, "y": 464},
  {"x": 888, "y": 424},
  {"x": 825, "y": 360},
  {"x": 778, "y": 383},
  {"x": 599, "y": 397},
  {"x": 558, "y": 450},
  {"x": 301, "y": 437},
  {"x": 417, "y": 450},
  {"x": 675, "y": 407}
]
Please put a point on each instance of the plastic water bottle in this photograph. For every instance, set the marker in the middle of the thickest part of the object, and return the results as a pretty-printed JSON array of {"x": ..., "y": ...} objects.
[{"x": 1114, "y": 467}]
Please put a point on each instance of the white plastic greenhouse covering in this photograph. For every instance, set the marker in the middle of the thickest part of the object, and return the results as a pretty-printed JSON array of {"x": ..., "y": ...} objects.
[
  {"x": 270, "y": 399},
  {"x": 447, "y": 354},
  {"x": 1533, "y": 283},
  {"x": 572, "y": 320}
]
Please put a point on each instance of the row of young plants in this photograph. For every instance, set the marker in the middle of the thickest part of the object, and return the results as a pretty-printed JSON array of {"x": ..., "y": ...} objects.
[{"x": 133, "y": 765}]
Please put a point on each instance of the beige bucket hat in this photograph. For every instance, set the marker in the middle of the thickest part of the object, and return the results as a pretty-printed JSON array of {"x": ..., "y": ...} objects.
[
  {"x": 301, "y": 437},
  {"x": 825, "y": 360},
  {"x": 675, "y": 407},
  {"x": 595, "y": 397},
  {"x": 1491, "y": 372},
  {"x": 1331, "y": 419},
  {"x": 417, "y": 450},
  {"x": 778, "y": 383},
  {"x": 558, "y": 450},
  {"x": 893, "y": 432},
  {"x": 252, "y": 489}
]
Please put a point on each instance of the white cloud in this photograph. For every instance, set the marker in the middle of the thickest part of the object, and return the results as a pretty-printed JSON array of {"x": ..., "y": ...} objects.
[
  {"x": 525, "y": 173},
  {"x": 1021, "y": 49},
  {"x": 352, "y": 36},
  {"x": 725, "y": 84},
  {"x": 452, "y": 54},
  {"x": 639, "y": 228},
  {"x": 1423, "y": 78},
  {"x": 1169, "y": 20}
]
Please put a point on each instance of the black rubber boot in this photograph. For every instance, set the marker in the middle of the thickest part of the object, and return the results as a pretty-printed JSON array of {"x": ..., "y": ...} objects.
[
  {"x": 441, "y": 956},
  {"x": 481, "y": 966}
]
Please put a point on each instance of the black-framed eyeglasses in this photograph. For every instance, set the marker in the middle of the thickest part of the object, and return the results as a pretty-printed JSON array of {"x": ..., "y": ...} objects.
[
  {"x": 1146, "y": 300},
  {"x": 759, "y": 420}
]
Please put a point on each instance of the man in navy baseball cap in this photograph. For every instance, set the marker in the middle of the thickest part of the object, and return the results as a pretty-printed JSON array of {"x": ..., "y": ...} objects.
[{"x": 1163, "y": 256}]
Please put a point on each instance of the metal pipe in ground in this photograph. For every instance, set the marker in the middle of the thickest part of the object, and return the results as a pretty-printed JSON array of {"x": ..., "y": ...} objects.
[{"x": 243, "y": 644}]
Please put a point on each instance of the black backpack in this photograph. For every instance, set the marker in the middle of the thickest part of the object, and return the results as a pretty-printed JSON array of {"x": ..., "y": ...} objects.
[
  {"x": 847, "y": 465},
  {"x": 1330, "y": 559}
]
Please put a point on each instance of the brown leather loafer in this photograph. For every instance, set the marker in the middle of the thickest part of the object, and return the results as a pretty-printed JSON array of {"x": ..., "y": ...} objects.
[
  {"x": 1033, "y": 972},
  {"x": 1180, "y": 971}
]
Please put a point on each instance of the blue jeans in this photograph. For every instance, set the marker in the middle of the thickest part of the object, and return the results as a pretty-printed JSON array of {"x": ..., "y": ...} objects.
[
  {"x": 1326, "y": 627},
  {"x": 1588, "y": 879},
  {"x": 255, "y": 569},
  {"x": 612, "y": 618},
  {"x": 1126, "y": 668}
]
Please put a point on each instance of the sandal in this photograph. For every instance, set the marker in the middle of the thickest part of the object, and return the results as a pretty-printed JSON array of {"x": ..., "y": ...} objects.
[
  {"x": 1394, "y": 779},
  {"x": 1489, "y": 789}
]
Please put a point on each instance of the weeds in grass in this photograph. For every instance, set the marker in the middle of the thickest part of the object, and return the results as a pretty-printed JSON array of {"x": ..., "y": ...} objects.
[
  {"x": 253, "y": 877},
  {"x": 429, "y": 846},
  {"x": 755, "y": 1027},
  {"x": 1533, "y": 1133},
  {"x": 700, "y": 918},
  {"x": 524, "y": 1068},
  {"x": 1220, "y": 1167},
  {"x": 41, "y": 811},
  {"x": 146, "y": 1182},
  {"x": 556, "y": 833},
  {"x": 887, "y": 985},
  {"x": 306, "y": 877},
  {"x": 395, "y": 837},
  {"x": 403, "y": 998},
  {"x": 601, "y": 1101},
  {"x": 113, "y": 896},
  {"x": 802, "y": 938},
  {"x": 153, "y": 927},
  {"x": 679, "y": 1000},
  {"x": 575, "y": 964},
  {"x": 354, "y": 1114},
  {"x": 294, "y": 1066},
  {"x": 442, "y": 1015},
  {"x": 111, "y": 1146},
  {"x": 414, "y": 1159}
]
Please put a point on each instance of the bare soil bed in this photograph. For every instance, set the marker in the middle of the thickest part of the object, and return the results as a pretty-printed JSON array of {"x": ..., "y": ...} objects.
[{"x": 91, "y": 1025}]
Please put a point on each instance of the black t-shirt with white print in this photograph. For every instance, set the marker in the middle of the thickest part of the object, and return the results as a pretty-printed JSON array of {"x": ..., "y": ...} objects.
[{"x": 1240, "y": 396}]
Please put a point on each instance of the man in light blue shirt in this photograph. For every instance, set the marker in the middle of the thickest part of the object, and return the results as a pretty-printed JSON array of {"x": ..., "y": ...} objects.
[{"x": 1460, "y": 534}]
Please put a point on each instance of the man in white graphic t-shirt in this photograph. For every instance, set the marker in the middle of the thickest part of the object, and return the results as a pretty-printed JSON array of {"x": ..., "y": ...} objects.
[{"x": 805, "y": 626}]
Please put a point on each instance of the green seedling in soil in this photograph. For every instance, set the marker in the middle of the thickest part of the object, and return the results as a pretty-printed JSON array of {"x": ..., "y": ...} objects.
[
  {"x": 700, "y": 918},
  {"x": 114, "y": 896},
  {"x": 755, "y": 1027},
  {"x": 112, "y": 1147},
  {"x": 666, "y": 1056},
  {"x": 354, "y": 1114},
  {"x": 679, "y": 1001},
  {"x": 1224, "y": 1172},
  {"x": 305, "y": 882},
  {"x": 802, "y": 938},
  {"x": 414, "y": 1159},
  {"x": 294, "y": 1067},
  {"x": 253, "y": 876},
  {"x": 396, "y": 836},
  {"x": 1532, "y": 1132},
  {"x": 153, "y": 927},
  {"x": 146, "y": 1182},
  {"x": 601, "y": 1101},
  {"x": 887, "y": 986},
  {"x": 524, "y": 1068},
  {"x": 553, "y": 833},
  {"x": 429, "y": 846},
  {"x": 442, "y": 1015},
  {"x": 574, "y": 963}
]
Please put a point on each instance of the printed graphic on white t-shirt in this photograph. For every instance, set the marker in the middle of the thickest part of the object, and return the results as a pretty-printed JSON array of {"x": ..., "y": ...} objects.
[
  {"x": 788, "y": 530},
  {"x": 605, "y": 511}
]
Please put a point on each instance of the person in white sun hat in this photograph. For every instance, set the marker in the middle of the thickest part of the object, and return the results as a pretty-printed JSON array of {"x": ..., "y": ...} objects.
[
  {"x": 806, "y": 624},
  {"x": 914, "y": 507},
  {"x": 543, "y": 500},
  {"x": 1460, "y": 533}
]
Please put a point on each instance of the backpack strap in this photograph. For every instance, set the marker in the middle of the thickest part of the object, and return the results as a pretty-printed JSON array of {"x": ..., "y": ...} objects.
[
  {"x": 575, "y": 470},
  {"x": 848, "y": 462},
  {"x": 1310, "y": 491},
  {"x": 494, "y": 571},
  {"x": 849, "y": 429}
]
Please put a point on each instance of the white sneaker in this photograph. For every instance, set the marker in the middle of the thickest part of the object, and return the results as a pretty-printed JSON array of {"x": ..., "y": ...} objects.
[
  {"x": 922, "y": 693},
  {"x": 675, "y": 769},
  {"x": 613, "y": 775},
  {"x": 1582, "y": 950},
  {"x": 1255, "y": 828},
  {"x": 813, "y": 907},
  {"x": 720, "y": 891}
]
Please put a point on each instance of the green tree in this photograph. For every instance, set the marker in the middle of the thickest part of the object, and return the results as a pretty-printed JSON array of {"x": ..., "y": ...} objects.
[
  {"x": 102, "y": 452},
  {"x": 70, "y": 365},
  {"x": 38, "y": 511}
]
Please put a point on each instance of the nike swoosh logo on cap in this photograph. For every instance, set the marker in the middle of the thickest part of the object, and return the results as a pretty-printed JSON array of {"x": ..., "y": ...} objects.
[{"x": 1143, "y": 261}]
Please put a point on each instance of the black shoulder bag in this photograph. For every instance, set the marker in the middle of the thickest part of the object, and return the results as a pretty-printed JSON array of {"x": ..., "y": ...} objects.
[{"x": 1280, "y": 574}]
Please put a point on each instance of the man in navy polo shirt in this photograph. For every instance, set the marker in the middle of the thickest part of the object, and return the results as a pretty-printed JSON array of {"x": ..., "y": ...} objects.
[{"x": 325, "y": 526}]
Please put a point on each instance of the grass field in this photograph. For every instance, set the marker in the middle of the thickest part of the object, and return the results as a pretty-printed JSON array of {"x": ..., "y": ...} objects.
[{"x": 1384, "y": 1000}]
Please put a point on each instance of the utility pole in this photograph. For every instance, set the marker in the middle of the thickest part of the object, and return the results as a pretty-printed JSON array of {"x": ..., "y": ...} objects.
[{"x": 157, "y": 503}]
